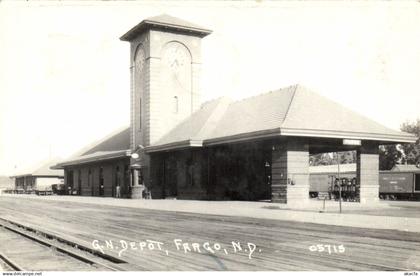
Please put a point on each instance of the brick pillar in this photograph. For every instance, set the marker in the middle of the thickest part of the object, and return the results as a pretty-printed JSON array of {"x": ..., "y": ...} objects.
[
  {"x": 368, "y": 172},
  {"x": 290, "y": 173}
]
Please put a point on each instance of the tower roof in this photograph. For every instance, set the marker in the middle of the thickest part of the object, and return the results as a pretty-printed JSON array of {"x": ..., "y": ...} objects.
[{"x": 167, "y": 22}]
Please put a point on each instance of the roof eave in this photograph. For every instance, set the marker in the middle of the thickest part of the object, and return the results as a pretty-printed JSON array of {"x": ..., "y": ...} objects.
[
  {"x": 105, "y": 157},
  {"x": 175, "y": 146},
  {"x": 386, "y": 138},
  {"x": 48, "y": 176},
  {"x": 38, "y": 175},
  {"x": 20, "y": 175},
  {"x": 261, "y": 134}
]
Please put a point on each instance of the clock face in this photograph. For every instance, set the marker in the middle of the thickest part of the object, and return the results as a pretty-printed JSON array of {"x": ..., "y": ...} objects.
[
  {"x": 175, "y": 75},
  {"x": 139, "y": 60},
  {"x": 175, "y": 57}
]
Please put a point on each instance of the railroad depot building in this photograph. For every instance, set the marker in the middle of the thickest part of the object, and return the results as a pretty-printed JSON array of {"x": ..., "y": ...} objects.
[
  {"x": 40, "y": 178},
  {"x": 253, "y": 149}
]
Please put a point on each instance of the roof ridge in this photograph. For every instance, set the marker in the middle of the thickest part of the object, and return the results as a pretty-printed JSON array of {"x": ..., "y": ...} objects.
[
  {"x": 215, "y": 115},
  {"x": 295, "y": 86},
  {"x": 213, "y": 100},
  {"x": 265, "y": 93}
]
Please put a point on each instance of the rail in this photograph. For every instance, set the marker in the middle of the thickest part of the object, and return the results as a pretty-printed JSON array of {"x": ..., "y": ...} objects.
[{"x": 62, "y": 245}]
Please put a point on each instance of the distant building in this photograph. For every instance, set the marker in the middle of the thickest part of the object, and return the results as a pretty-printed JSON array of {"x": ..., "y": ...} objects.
[
  {"x": 38, "y": 179},
  {"x": 6, "y": 183},
  {"x": 253, "y": 149}
]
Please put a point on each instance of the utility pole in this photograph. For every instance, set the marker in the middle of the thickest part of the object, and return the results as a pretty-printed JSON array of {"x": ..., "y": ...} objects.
[{"x": 339, "y": 180}]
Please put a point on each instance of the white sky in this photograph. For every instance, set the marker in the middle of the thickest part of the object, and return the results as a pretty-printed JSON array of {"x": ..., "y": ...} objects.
[{"x": 64, "y": 77}]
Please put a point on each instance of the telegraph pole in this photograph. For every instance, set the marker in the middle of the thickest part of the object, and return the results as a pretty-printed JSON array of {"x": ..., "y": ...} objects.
[{"x": 339, "y": 180}]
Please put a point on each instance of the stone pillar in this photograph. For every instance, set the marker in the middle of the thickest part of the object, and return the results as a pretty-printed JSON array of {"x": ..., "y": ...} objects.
[
  {"x": 136, "y": 189},
  {"x": 135, "y": 177},
  {"x": 368, "y": 172},
  {"x": 290, "y": 172},
  {"x": 278, "y": 175}
]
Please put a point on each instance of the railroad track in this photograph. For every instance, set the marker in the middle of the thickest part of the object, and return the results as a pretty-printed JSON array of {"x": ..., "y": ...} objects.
[{"x": 33, "y": 249}]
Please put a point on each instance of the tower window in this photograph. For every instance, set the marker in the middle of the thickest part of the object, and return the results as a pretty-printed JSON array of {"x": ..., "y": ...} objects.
[{"x": 175, "y": 104}]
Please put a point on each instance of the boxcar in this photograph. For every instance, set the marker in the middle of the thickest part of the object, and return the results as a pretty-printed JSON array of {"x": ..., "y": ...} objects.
[
  {"x": 392, "y": 184},
  {"x": 323, "y": 183},
  {"x": 399, "y": 185}
]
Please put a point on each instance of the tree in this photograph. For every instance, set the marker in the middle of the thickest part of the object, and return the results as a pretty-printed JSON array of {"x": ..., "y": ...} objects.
[
  {"x": 389, "y": 155},
  {"x": 411, "y": 151},
  {"x": 321, "y": 159},
  {"x": 348, "y": 157}
]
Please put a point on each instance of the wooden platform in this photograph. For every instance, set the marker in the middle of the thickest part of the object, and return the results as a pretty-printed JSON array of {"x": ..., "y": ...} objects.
[{"x": 280, "y": 245}]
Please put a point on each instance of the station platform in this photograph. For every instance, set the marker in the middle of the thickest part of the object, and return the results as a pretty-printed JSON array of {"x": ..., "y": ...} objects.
[{"x": 376, "y": 216}]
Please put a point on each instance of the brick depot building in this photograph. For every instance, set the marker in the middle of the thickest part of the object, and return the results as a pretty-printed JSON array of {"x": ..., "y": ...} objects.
[{"x": 252, "y": 149}]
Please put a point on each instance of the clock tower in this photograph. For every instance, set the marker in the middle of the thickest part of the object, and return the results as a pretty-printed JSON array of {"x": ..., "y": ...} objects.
[{"x": 165, "y": 64}]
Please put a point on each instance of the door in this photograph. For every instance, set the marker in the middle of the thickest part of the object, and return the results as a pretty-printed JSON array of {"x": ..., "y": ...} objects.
[
  {"x": 101, "y": 181},
  {"x": 90, "y": 181},
  {"x": 79, "y": 182},
  {"x": 116, "y": 183},
  {"x": 69, "y": 182},
  {"x": 417, "y": 183},
  {"x": 170, "y": 178}
]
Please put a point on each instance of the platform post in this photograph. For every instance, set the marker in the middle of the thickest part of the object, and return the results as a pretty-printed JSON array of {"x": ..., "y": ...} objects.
[
  {"x": 290, "y": 172},
  {"x": 368, "y": 173}
]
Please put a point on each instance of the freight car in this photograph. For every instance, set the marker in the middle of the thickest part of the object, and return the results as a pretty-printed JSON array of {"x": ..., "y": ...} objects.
[
  {"x": 329, "y": 185},
  {"x": 399, "y": 185},
  {"x": 393, "y": 185}
]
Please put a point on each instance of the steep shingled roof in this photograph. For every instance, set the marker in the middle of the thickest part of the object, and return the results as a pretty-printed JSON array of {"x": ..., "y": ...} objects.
[
  {"x": 311, "y": 114},
  {"x": 116, "y": 141},
  {"x": 292, "y": 111},
  {"x": 114, "y": 145}
]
